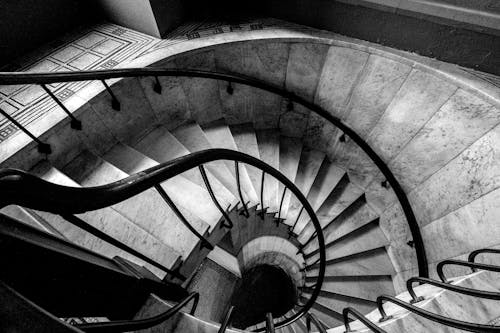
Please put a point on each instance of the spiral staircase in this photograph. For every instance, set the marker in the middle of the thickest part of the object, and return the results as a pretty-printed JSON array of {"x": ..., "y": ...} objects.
[{"x": 274, "y": 173}]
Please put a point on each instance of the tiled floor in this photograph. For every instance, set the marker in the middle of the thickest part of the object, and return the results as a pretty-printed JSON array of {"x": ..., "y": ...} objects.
[{"x": 103, "y": 46}]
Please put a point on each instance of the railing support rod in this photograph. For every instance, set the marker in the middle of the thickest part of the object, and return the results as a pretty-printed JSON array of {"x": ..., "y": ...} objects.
[
  {"x": 269, "y": 323},
  {"x": 105, "y": 237},
  {"x": 43, "y": 148},
  {"x": 262, "y": 212},
  {"x": 75, "y": 123},
  {"x": 297, "y": 219},
  {"x": 157, "y": 86},
  {"x": 237, "y": 170},
  {"x": 204, "y": 242},
  {"x": 227, "y": 223},
  {"x": 281, "y": 206},
  {"x": 227, "y": 320},
  {"x": 115, "y": 103}
]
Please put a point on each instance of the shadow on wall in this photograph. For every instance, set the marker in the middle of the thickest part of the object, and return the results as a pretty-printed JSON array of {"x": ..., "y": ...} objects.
[
  {"x": 262, "y": 289},
  {"x": 27, "y": 24}
]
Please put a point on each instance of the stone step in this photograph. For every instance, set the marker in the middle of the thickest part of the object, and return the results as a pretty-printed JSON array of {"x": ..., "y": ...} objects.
[
  {"x": 161, "y": 146},
  {"x": 365, "y": 238},
  {"x": 290, "y": 150},
  {"x": 194, "y": 139},
  {"x": 219, "y": 135},
  {"x": 309, "y": 165},
  {"x": 164, "y": 223},
  {"x": 26, "y": 216},
  {"x": 364, "y": 287},
  {"x": 337, "y": 302},
  {"x": 269, "y": 151},
  {"x": 110, "y": 221},
  {"x": 326, "y": 316},
  {"x": 370, "y": 263},
  {"x": 246, "y": 141}
]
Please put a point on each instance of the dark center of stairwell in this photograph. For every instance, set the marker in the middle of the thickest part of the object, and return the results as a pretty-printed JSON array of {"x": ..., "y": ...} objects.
[{"x": 262, "y": 289}]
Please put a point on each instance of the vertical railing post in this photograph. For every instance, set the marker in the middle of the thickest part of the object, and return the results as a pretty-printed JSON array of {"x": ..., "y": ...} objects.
[
  {"x": 75, "y": 123},
  {"x": 157, "y": 86},
  {"x": 228, "y": 223},
  {"x": 227, "y": 320},
  {"x": 115, "y": 103},
  {"x": 43, "y": 148},
  {"x": 237, "y": 170},
  {"x": 204, "y": 242},
  {"x": 262, "y": 212}
]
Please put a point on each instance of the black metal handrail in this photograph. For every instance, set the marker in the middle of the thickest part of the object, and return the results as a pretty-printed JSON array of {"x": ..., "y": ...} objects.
[
  {"x": 356, "y": 314},
  {"x": 8, "y": 78},
  {"x": 462, "y": 325},
  {"x": 227, "y": 320},
  {"x": 310, "y": 318},
  {"x": 474, "y": 254},
  {"x": 21, "y": 188},
  {"x": 451, "y": 287},
  {"x": 473, "y": 265},
  {"x": 140, "y": 324},
  {"x": 269, "y": 323}
]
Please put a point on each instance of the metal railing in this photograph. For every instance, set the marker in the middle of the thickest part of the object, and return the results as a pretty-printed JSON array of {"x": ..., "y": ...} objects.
[
  {"x": 140, "y": 324},
  {"x": 23, "y": 189},
  {"x": 103, "y": 75}
]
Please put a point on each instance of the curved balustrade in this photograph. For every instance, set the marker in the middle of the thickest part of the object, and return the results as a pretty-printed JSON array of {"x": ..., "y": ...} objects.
[
  {"x": 21, "y": 188},
  {"x": 442, "y": 264},
  {"x": 103, "y": 75},
  {"x": 458, "y": 289},
  {"x": 458, "y": 324},
  {"x": 474, "y": 254}
]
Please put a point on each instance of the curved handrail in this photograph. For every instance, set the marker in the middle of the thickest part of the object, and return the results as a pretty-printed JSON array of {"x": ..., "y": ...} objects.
[
  {"x": 474, "y": 254},
  {"x": 21, "y": 188},
  {"x": 9, "y": 78},
  {"x": 462, "y": 325},
  {"x": 458, "y": 289},
  {"x": 440, "y": 267},
  {"x": 140, "y": 324},
  {"x": 355, "y": 313},
  {"x": 310, "y": 318}
]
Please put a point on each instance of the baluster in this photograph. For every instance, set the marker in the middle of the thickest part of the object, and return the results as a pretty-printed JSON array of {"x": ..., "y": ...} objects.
[
  {"x": 43, "y": 148},
  {"x": 75, "y": 123},
  {"x": 227, "y": 320},
  {"x": 237, "y": 169},
  {"x": 115, "y": 104},
  {"x": 157, "y": 86},
  {"x": 105, "y": 237},
  {"x": 229, "y": 223},
  {"x": 173, "y": 206}
]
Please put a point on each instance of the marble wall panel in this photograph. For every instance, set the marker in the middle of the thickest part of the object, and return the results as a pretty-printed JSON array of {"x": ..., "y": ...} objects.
[
  {"x": 460, "y": 122},
  {"x": 421, "y": 95},
  {"x": 135, "y": 115},
  {"x": 473, "y": 173},
  {"x": 341, "y": 72},
  {"x": 305, "y": 63},
  {"x": 464, "y": 230}
]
